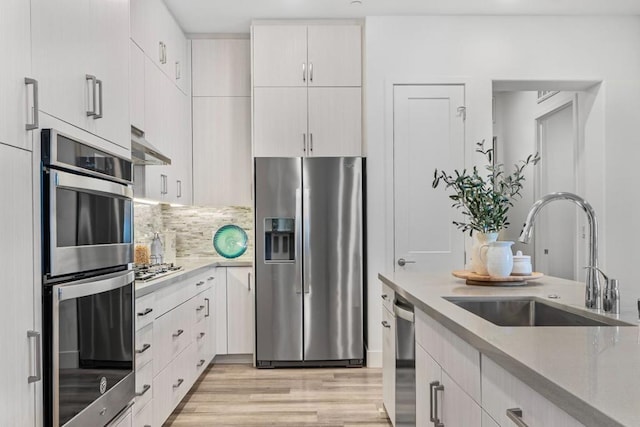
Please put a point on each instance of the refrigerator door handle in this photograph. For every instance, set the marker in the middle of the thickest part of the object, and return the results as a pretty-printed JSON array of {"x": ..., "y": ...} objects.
[
  {"x": 307, "y": 247},
  {"x": 298, "y": 249}
]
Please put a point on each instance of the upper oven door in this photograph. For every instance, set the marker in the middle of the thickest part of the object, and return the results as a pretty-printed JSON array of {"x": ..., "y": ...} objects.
[{"x": 89, "y": 223}]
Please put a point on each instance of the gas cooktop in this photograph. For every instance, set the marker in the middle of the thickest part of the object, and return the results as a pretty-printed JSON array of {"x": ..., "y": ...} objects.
[{"x": 144, "y": 273}]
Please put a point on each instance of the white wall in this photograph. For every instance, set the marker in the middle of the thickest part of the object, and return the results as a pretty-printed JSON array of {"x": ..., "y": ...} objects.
[{"x": 476, "y": 50}]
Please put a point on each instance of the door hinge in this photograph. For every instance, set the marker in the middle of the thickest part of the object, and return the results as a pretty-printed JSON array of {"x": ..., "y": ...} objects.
[{"x": 462, "y": 112}]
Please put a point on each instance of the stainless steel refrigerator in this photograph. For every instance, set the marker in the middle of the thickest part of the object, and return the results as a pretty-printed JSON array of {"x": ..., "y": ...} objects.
[{"x": 309, "y": 261}]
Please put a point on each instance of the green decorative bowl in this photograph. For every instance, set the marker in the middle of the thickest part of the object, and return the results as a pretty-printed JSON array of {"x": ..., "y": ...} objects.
[{"x": 230, "y": 241}]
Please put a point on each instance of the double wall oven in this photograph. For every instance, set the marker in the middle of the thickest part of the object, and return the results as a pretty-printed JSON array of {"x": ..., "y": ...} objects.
[{"x": 88, "y": 279}]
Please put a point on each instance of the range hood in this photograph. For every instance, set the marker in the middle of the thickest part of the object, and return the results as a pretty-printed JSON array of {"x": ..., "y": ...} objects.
[{"x": 143, "y": 153}]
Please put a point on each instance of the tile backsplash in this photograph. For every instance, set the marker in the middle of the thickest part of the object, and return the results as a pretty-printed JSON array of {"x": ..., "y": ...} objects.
[{"x": 194, "y": 226}]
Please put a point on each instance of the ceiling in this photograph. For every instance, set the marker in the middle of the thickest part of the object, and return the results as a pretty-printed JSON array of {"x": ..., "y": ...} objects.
[{"x": 234, "y": 16}]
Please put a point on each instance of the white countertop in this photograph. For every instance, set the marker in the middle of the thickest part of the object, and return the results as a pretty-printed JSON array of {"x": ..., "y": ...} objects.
[
  {"x": 593, "y": 373},
  {"x": 190, "y": 267}
]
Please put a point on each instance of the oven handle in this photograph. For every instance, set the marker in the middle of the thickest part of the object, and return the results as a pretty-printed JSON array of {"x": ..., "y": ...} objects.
[
  {"x": 94, "y": 185},
  {"x": 88, "y": 287}
]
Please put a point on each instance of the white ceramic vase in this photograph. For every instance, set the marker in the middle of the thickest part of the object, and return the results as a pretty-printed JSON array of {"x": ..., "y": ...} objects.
[
  {"x": 498, "y": 258},
  {"x": 477, "y": 265}
]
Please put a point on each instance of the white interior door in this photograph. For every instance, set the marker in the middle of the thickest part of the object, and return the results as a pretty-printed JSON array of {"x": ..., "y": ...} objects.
[
  {"x": 428, "y": 134},
  {"x": 556, "y": 228}
]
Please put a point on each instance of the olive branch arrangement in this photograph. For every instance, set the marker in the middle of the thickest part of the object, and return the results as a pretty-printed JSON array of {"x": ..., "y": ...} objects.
[{"x": 485, "y": 200}]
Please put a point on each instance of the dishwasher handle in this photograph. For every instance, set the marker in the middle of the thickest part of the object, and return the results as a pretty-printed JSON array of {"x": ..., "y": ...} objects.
[{"x": 403, "y": 313}]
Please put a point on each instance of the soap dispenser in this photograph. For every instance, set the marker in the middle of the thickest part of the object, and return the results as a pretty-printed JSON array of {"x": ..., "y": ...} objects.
[{"x": 156, "y": 249}]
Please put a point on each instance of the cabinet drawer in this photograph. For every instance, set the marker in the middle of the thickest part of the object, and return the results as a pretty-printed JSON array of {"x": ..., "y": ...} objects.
[
  {"x": 144, "y": 385},
  {"x": 172, "y": 384},
  {"x": 170, "y": 297},
  {"x": 502, "y": 391},
  {"x": 172, "y": 333},
  {"x": 144, "y": 416},
  {"x": 387, "y": 296},
  {"x": 459, "y": 359},
  {"x": 144, "y": 347},
  {"x": 145, "y": 310}
]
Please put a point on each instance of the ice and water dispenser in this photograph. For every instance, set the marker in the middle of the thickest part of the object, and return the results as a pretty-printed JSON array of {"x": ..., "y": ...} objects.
[{"x": 280, "y": 239}]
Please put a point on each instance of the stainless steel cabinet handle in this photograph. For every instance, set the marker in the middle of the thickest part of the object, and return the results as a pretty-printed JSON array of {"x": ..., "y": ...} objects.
[
  {"x": 178, "y": 333},
  {"x": 304, "y": 142},
  {"x": 99, "y": 85},
  {"x": 38, "y": 375},
  {"x": 145, "y": 388},
  {"x": 179, "y": 383},
  {"x": 200, "y": 283},
  {"x": 249, "y": 280},
  {"x": 144, "y": 348},
  {"x": 208, "y": 313},
  {"x": 311, "y": 142},
  {"x": 36, "y": 108},
  {"x": 178, "y": 73},
  {"x": 311, "y": 72},
  {"x": 162, "y": 53},
  {"x": 210, "y": 278},
  {"x": 436, "y": 389},
  {"x": 200, "y": 363},
  {"x": 200, "y": 308},
  {"x": 386, "y": 324},
  {"x": 402, "y": 262},
  {"x": 163, "y": 184},
  {"x": 384, "y": 296},
  {"x": 147, "y": 311},
  {"x": 201, "y": 335},
  {"x": 515, "y": 415},
  {"x": 432, "y": 385},
  {"x": 92, "y": 79},
  {"x": 179, "y": 182},
  {"x": 304, "y": 72}
]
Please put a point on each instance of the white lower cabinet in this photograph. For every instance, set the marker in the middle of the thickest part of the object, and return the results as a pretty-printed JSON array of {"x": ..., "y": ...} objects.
[
  {"x": 144, "y": 417},
  {"x": 234, "y": 311},
  {"x": 389, "y": 362},
  {"x": 502, "y": 391},
  {"x": 173, "y": 345}
]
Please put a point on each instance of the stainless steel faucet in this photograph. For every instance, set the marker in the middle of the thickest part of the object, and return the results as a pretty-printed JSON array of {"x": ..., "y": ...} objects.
[{"x": 592, "y": 293}]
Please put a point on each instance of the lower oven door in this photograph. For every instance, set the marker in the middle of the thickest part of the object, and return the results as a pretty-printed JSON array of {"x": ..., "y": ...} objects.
[
  {"x": 88, "y": 223},
  {"x": 92, "y": 375}
]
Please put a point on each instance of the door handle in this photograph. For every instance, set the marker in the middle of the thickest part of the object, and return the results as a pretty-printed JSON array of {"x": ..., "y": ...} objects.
[
  {"x": 38, "y": 375},
  {"x": 515, "y": 415},
  {"x": 36, "y": 108},
  {"x": 311, "y": 142},
  {"x": 436, "y": 389},
  {"x": 311, "y": 72},
  {"x": 249, "y": 281},
  {"x": 178, "y": 73},
  {"x": 402, "y": 262},
  {"x": 207, "y": 300},
  {"x": 179, "y": 185},
  {"x": 304, "y": 142},
  {"x": 304, "y": 72},
  {"x": 386, "y": 324},
  {"x": 144, "y": 348},
  {"x": 432, "y": 385},
  {"x": 99, "y": 85},
  {"x": 92, "y": 79}
]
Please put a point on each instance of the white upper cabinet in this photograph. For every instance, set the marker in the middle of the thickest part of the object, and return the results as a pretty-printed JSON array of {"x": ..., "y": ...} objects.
[
  {"x": 280, "y": 55},
  {"x": 335, "y": 122},
  {"x": 300, "y": 55},
  {"x": 334, "y": 55},
  {"x": 307, "y": 97},
  {"x": 80, "y": 52},
  {"x": 222, "y": 151},
  {"x": 16, "y": 98},
  {"x": 136, "y": 86},
  {"x": 280, "y": 122},
  {"x": 154, "y": 29},
  {"x": 221, "y": 67}
]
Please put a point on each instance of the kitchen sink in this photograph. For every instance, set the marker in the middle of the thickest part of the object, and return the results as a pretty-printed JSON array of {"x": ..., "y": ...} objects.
[{"x": 531, "y": 312}]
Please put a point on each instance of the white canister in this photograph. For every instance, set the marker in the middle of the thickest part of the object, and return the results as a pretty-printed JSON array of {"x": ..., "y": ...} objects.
[
  {"x": 498, "y": 258},
  {"x": 521, "y": 265}
]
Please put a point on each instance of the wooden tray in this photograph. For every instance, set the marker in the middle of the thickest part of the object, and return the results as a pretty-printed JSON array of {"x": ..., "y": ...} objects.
[{"x": 479, "y": 280}]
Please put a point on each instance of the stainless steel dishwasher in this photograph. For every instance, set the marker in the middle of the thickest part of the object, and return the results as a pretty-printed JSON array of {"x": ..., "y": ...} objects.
[{"x": 405, "y": 363}]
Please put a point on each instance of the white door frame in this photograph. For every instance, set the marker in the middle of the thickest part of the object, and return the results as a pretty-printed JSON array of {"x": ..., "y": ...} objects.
[{"x": 545, "y": 109}]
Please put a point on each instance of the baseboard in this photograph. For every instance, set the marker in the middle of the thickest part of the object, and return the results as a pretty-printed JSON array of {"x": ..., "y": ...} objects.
[
  {"x": 231, "y": 359},
  {"x": 374, "y": 359}
]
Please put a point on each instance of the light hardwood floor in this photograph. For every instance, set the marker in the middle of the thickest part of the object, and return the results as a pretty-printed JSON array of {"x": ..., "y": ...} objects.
[{"x": 240, "y": 395}]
